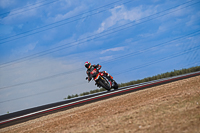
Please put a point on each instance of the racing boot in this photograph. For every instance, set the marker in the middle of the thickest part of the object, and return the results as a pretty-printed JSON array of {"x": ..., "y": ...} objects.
[
  {"x": 108, "y": 76},
  {"x": 111, "y": 79},
  {"x": 97, "y": 85}
]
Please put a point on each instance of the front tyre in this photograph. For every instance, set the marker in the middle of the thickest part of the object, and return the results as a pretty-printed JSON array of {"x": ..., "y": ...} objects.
[{"x": 104, "y": 83}]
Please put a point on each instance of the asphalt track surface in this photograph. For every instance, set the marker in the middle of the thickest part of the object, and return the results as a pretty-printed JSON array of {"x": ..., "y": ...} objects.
[{"x": 32, "y": 113}]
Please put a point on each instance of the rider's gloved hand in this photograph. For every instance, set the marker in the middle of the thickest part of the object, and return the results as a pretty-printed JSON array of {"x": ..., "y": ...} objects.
[{"x": 86, "y": 78}]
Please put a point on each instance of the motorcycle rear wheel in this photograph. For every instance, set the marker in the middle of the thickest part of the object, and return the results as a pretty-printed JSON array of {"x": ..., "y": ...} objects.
[{"x": 115, "y": 85}]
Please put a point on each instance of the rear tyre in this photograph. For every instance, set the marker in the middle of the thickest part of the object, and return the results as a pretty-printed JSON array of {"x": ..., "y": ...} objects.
[{"x": 115, "y": 85}]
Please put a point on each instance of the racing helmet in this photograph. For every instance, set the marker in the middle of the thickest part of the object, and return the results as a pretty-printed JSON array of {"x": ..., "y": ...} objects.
[{"x": 87, "y": 64}]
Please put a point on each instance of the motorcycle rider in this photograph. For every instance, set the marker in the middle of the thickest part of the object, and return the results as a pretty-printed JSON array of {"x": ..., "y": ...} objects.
[{"x": 90, "y": 68}]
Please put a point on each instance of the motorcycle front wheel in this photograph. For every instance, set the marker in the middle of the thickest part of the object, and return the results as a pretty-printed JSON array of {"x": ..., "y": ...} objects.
[{"x": 104, "y": 83}]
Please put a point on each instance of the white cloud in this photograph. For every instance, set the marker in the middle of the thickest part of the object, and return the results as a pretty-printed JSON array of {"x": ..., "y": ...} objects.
[
  {"x": 18, "y": 15},
  {"x": 37, "y": 69},
  {"x": 161, "y": 29},
  {"x": 71, "y": 13},
  {"x": 25, "y": 49},
  {"x": 30, "y": 47},
  {"x": 6, "y": 3},
  {"x": 193, "y": 19},
  {"x": 120, "y": 13},
  {"x": 175, "y": 13},
  {"x": 106, "y": 58},
  {"x": 112, "y": 49}
]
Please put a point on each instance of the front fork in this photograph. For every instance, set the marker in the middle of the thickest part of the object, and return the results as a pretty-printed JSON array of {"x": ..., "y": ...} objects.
[{"x": 100, "y": 75}]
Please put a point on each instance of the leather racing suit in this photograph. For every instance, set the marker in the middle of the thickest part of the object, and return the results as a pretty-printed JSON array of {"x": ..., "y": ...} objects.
[{"x": 98, "y": 67}]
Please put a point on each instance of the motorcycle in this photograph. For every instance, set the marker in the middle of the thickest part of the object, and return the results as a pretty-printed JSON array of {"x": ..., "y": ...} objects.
[{"x": 102, "y": 81}]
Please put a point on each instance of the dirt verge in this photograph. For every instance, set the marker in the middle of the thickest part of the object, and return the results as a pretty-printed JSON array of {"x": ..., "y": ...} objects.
[{"x": 173, "y": 107}]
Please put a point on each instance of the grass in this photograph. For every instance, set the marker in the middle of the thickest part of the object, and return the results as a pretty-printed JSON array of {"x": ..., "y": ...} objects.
[
  {"x": 159, "y": 76},
  {"x": 166, "y": 108}
]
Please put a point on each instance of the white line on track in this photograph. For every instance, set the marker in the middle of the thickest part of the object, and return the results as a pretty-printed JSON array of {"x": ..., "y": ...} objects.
[{"x": 98, "y": 96}]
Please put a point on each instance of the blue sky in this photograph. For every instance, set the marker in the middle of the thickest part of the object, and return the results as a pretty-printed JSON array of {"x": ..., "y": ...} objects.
[{"x": 44, "y": 44}]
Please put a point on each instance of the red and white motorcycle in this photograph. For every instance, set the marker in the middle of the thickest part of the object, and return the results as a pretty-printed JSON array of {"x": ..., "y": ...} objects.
[{"x": 102, "y": 81}]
